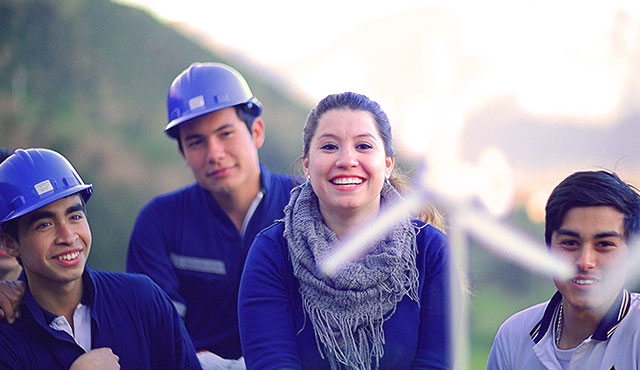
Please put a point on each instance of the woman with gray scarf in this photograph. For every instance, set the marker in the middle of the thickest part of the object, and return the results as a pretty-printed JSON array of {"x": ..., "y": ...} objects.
[{"x": 386, "y": 310}]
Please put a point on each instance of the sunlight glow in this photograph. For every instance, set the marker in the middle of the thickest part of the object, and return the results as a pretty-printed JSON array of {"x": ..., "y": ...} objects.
[{"x": 556, "y": 58}]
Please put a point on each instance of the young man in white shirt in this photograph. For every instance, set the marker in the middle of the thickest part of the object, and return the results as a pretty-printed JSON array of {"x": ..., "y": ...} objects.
[{"x": 591, "y": 217}]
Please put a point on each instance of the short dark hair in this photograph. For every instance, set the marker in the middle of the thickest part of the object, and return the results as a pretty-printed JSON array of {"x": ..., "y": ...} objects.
[
  {"x": 590, "y": 189},
  {"x": 243, "y": 111}
]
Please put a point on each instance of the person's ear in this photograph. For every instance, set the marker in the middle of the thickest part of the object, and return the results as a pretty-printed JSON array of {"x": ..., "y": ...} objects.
[
  {"x": 257, "y": 132},
  {"x": 9, "y": 244},
  {"x": 389, "y": 163},
  {"x": 305, "y": 166}
]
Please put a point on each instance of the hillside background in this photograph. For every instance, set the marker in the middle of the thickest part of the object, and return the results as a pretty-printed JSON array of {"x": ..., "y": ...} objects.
[{"x": 89, "y": 79}]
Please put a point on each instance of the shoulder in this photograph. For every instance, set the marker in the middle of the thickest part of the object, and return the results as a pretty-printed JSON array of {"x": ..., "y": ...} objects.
[
  {"x": 16, "y": 341},
  {"x": 512, "y": 346},
  {"x": 169, "y": 199},
  {"x": 161, "y": 210},
  {"x": 430, "y": 241},
  {"x": 120, "y": 283},
  {"x": 273, "y": 234},
  {"x": 16, "y": 332},
  {"x": 278, "y": 181},
  {"x": 634, "y": 310},
  {"x": 429, "y": 233},
  {"x": 269, "y": 247},
  {"x": 520, "y": 324}
]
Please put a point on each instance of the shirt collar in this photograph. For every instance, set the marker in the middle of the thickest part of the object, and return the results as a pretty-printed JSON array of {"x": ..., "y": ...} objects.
[
  {"x": 265, "y": 178},
  {"x": 605, "y": 329},
  {"x": 45, "y": 317}
]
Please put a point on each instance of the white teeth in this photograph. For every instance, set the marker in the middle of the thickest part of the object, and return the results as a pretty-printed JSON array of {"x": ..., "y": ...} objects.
[
  {"x": 69, "y": 257},
  {"x": 583, "y": 281},
  {"x": 347, "y": 181}
]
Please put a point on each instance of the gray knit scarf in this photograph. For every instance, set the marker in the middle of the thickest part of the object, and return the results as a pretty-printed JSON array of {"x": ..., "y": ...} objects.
[{"x": 348, "y": 310}]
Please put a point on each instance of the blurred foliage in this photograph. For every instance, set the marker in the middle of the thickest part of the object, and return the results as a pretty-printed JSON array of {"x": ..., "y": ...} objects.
[
  {"x": 89, "y": 79},
  {"x": 499, "y": 288}
]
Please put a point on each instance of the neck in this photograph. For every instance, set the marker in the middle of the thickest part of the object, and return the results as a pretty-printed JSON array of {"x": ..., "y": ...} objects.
[
  {"x": 345, "y": 223},
  {"x": 578, "y": 325},
  {"x": 236, "y": 203},
  {"x": 59, "y": 299}
]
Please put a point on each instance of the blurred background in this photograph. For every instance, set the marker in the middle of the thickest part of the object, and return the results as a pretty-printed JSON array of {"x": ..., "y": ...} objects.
[{"x": 552, "y": 87}]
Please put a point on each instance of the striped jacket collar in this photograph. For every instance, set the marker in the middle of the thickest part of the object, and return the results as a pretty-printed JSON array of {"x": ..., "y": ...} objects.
[{"x": 607, "y": 326}]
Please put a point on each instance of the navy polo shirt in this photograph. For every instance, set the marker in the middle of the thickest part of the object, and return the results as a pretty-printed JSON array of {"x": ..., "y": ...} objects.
[
  {"x": 190, "y": 247},
  {"x": 129, "y": 314}
]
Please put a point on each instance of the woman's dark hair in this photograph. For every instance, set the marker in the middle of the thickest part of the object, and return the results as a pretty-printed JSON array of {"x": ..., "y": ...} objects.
[
  {"x": 358, "y": 102},
  {"x": 350, "y": 101},
  {"x": 590, "y": 189}
]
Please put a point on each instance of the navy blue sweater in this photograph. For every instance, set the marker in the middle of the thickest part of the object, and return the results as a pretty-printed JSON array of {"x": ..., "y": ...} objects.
[{"x": 276, "y": 335}]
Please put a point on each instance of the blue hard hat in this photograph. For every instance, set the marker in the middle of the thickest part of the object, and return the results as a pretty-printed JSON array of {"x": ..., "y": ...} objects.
[
  {"x": 32, "y": 178},
  {"x": 203, "y": 88}
]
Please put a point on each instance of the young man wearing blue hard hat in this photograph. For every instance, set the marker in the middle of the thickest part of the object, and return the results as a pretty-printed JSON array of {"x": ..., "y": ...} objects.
[
  {"x": 73, "y": 316},
  {"x": 193, "y": 241}
]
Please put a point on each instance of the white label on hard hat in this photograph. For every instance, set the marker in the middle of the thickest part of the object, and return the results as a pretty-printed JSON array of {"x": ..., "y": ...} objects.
[
  {"x": 43, "y": 187},
  {"x": 197, "y": 102}
]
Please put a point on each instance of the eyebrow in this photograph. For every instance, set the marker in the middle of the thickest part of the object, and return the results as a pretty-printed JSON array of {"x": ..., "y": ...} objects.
[
  {"x": 608, "y": 234},
  {"x": 605, "y": 234},
  {"x": 39, "y": 215},
  {"x": 336, "y": 136},
  {"x": 226, "y": 126},
  {"x": 566, "y": 232}
]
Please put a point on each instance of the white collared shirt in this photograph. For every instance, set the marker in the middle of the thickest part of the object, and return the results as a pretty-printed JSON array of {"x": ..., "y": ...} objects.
[
  {"x": 525, "y": 340},
  {"x": 81, "y": 333}
]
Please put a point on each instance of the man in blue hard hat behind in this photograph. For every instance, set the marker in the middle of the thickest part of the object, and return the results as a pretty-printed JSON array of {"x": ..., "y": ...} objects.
[
  {"x": 193, "y": 241},
  {"x": 75, "y": 317}
]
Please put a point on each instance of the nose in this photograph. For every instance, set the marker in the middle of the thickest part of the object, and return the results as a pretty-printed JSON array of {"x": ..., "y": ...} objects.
[
  {"x": 66, "y": 236},
  {"x": 215, "y": 151},
  {"x": 346, "y": 159},
  {"x": 586, "y": 259}
]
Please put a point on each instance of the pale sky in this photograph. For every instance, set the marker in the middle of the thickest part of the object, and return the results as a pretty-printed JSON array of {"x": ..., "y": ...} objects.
[
  {"x": 496, "y": 43},
  {"x": 431, "y": 63},
  {"x": 285, "y": 31}
]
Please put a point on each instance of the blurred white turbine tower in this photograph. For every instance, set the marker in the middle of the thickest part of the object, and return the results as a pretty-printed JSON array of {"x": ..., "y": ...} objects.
[{"x": 475, "y": 196}]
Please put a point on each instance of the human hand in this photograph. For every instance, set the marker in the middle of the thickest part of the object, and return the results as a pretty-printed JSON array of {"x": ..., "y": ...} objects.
[
  {"x": 97, "y": 359},
  {"x": 11, "y": 293}
]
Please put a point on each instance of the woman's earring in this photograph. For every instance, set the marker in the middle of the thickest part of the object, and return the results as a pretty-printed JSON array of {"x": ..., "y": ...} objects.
[{"x": 307, "y": 184}]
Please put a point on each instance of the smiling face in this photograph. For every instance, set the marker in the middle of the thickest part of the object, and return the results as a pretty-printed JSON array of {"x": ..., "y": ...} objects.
[
  {"x": 221, "y": 152},
  {"x": 53, "y": 242},
  {"x": 347, "y": 163},
  {"x": 592, "y": 239}
]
